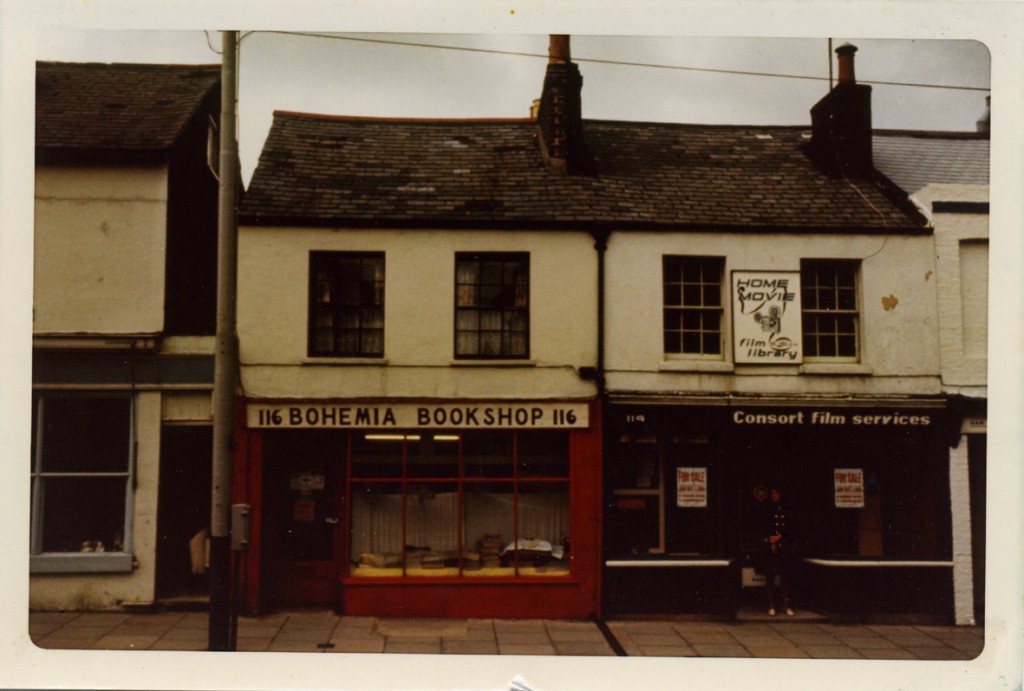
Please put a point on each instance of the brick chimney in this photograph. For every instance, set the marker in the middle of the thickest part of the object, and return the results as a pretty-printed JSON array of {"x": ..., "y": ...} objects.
[
  {"x": 841, "y": 122},
  {"x": 559, "y": 116}
]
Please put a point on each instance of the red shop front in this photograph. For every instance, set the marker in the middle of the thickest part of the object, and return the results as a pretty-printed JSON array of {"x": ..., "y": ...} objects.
[{"x": 469, "y": 508}]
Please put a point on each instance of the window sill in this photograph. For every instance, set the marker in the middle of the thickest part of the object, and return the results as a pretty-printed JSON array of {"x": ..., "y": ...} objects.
[
  {"x": 696, "y": 366},
  {"x": 89, "y": 562},
  {"x": 839, "y": 368},
  {"x": 493, "y": 363},
  {"x": 353, "y": 361}
]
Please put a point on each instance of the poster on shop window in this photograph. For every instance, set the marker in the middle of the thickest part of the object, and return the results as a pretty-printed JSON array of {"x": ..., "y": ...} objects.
[
  {"x": 766, "y": 317},
  {"x": 692, "y": 488},
  {"x": 849, "y": 488}
]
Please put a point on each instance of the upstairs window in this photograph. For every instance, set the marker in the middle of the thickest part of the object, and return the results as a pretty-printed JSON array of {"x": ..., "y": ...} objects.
[
  {"x": 492, "y": 305},
  {"x": 346, "y": 304},
  {"x": 692, "y": 310},
  {"x": 831, "y": 320}
]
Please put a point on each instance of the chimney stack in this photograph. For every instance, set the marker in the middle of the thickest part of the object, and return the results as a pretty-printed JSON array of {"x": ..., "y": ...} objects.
[
  {"x": 985, "y": 121},
  {"x": 559, "y": 116},
  {"x": 841, "y": 122}
]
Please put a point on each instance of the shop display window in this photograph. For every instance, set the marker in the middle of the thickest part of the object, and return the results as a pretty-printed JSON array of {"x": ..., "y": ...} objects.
[
  {"x": 460, "y": 504},
  {"x": 82, "y": 448}
]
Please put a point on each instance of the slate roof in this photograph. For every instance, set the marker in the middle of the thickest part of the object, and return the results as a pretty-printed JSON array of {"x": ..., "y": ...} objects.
[
  {"x": 321, "y": 170},
  {"x": 914, "y": 159},
  {"x": 117, "y": 107}
]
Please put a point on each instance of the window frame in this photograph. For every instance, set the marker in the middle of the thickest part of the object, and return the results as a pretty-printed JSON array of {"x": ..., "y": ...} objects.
[
  {"x": 327, "y": 256},
  {"x": 504, "y": 257},
  {"x": 41, "y": 561},
  {"x": 717, "y": 264},
  {"x": 807, "y": 312}
]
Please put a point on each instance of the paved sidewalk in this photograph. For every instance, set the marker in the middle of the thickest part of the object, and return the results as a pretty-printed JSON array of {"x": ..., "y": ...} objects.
[{"x": 326, "y": 632}]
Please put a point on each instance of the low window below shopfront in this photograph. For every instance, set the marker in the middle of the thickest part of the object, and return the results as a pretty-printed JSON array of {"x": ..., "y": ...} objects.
[
  {"x": 471, "y": 504},
  {"x": 82, "y": 448}
]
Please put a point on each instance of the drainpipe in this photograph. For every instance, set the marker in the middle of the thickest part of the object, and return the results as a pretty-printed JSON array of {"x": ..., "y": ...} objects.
[{"x": 600, "y": 236}]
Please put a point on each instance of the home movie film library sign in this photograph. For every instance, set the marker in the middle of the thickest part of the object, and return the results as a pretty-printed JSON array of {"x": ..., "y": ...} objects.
[
  {"x": 766, "y": 317},
  {"x": 419, "y": 416}
]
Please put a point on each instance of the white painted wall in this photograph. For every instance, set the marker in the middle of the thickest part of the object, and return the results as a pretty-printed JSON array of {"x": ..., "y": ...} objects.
[
  {"x": 961, "y": 248},
  {"x": 899, "y": 351},
  {"x": 83, "y": 591},
  {"x": 419, "y": 316},
  {"x": 100, "y": 236}
]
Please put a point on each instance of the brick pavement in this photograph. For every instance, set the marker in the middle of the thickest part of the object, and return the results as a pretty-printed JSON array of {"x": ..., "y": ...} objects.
[{"x": 326, "y": 632}]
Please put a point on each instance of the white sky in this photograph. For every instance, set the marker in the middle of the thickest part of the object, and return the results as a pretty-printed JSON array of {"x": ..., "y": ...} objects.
[{"x": 341, "y": 76}]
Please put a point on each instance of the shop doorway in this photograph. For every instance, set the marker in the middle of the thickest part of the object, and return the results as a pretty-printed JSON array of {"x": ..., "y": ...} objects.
[
  {"x": 763, "y": 465},
  {"x": 183, "y": 510},
  {"x": 304, "y": 517}
]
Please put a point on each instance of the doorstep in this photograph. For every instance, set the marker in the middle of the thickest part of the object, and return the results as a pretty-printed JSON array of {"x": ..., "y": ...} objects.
[{"x": 749, "y": 614}]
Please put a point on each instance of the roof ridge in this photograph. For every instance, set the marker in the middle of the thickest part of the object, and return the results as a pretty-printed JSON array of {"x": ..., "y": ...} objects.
[
  {"x": 425, "y": 121},
  {"x": 108, "y": 65}
]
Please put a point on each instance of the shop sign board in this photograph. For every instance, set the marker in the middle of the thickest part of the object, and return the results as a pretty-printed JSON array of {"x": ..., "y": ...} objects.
[
  {"x": 832, "y": 418},
  {"x": 849, "y": 488},
  {"x": 766, "y": 317},
  {"x": 492, "y": 415},
  {"x": 692, "y": 488}
]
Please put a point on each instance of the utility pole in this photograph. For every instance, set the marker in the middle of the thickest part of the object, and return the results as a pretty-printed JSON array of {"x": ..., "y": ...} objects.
[{"x": 225, "y": 373}]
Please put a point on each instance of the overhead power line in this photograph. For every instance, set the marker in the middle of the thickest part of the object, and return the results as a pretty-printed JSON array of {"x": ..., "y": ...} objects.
[{"x": 623, "y": 63}]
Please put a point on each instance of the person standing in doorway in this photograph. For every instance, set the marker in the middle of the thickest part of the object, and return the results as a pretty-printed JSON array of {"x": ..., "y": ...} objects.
[{"x": 778, "y": 547}]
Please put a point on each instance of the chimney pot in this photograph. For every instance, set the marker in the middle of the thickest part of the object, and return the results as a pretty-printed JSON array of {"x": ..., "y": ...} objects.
[
  {"x": 845, "y": 53},
  {"x": 558, "y": 48}
]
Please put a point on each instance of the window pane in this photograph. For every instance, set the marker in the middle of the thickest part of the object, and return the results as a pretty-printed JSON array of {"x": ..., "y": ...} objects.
[
  {"x": 691, "y": 295},
  {"x": 712, "y": 295},
  {"x": 543, "y": 454},
  {"x": 691, "y": 342},
  {"x": 467, "y": 343},
  {"x": 847, "y": 299},
  {"x": 432, "y": 529},
  {"x": 467, "y": 320},
  {"x": 847, "y": 346},
  {"x": 543, "y": 535},
  {"x": 712, "y": 343},
  {"x": 673, "y": 320},
  {"x": 466, "y": 272},
  {"x": 89, "y": 434},
  {"x": 691, "y": 320},
  {"x": 490, "y": 321},
  {"x": 487, "y": 523},
  {"x": 712, "y": 320},
  {"x": 673, "y": 342},
  {"x": 487, "y": 454},
  {"x": 490, "y": 343},
  {"x": 491, "y": 273},
  {"x": 433, "y": 455},
  {"x": 516, "y": 345},
  {"x": 83, "y": 514},
  {"x": 673, "y": 294},
  {"x": 376, "y": 533},
  {"x": 377, "y": 455}
]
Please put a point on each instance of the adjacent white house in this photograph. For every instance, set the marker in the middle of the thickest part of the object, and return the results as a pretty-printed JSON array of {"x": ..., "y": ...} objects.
[
  {"x": 123, "y": 305},
  {"x": 947, "y": 175}
]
